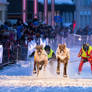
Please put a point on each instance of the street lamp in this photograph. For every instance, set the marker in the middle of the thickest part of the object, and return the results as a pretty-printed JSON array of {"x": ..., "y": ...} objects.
[
  {"x": 52, "y": 11},
  {"x": 46, "y": 11},
  {"x": 24, "y": 6},
  {"x": 35, "y": 9}
]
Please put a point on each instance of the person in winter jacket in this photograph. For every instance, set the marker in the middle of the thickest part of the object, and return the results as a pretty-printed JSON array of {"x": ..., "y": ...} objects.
[
  {"x": 50, "y": 52},
  {"x": 86, "y": 56}
]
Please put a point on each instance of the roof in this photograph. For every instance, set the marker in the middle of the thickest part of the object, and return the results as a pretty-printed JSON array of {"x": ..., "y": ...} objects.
[
  {"x": 59, "y": 1},
  {"x": 15, "y": 6}
]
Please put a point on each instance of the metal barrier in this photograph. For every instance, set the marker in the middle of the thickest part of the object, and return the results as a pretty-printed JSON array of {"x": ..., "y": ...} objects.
[
  {"x": 9, "y": 55},
  {"x": 13, "y": 52},
  {"x": 22, "y": 52}
]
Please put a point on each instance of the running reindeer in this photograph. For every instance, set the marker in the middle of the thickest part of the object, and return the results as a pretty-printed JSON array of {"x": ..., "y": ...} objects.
[
  {"x": 40, "y": 59},
  {"x": 62, "y": 56}
]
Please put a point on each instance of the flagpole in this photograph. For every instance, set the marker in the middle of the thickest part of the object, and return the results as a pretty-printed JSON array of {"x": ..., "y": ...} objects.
[
  {"x": 46, "y": 11},
  {"x": 52, "y": 11},
  {"x": 24, "y": 6},
  {"x": 35, "y": 9}
]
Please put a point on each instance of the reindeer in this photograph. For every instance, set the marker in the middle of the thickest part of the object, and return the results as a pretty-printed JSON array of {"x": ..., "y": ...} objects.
[
  {"x": 62, "y": 56},
  {"x": 40, "y": 59}
]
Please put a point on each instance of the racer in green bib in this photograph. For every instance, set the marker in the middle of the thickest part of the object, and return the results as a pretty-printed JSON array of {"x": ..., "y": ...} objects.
[{"x": 50, "y": 52}]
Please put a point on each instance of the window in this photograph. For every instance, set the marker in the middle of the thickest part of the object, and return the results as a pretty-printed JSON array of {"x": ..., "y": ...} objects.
[
  {"x": 71, "y": 17},
  {"x": 87, "y": 2},
  {"x": 64, "y": 17},
  {"x": 0, "y": 15},
  {"x": 81, "y": 20},
  {"x": 67, "y": 17},
  {"x": 85, "y": 18},
  {"x": 89, "y": 12},
  {"x": 89, "y": 19}
]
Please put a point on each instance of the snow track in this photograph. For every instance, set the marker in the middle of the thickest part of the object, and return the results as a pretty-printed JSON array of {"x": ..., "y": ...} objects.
[{"x": 44, "y": 82}]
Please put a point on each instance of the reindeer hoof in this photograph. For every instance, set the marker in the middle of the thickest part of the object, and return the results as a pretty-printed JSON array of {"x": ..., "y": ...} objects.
[
  {"x": 44, "y": 69},
  {"x": 65, "y": 76},
  {"x": 58, "y": 72},
  {"x": 34, "y": 72},
  {"x": 37, "y": 74},
  {"x": 40, "y": 68}
]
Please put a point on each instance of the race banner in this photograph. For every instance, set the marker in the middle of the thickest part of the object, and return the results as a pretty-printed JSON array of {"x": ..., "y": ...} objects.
[{"x": 1, "y": 53}]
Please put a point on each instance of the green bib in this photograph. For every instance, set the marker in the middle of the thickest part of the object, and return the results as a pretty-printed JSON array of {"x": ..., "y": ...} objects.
[
  {"x": 84, "y": 53},
  {"x": 50, "y": 54}
]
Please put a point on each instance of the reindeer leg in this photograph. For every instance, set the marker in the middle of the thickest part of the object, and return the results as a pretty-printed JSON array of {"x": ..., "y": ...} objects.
[
  {"x": 41, "y": 65},
  {"x": 45, "y": 64},
  {"x": 34, "y": 70},
  {"x": 40, "y": 68},
  {"x": 45, "y": 67},
  {"x": 58, "y": 66},
  {"x": 65, "y": 70},
  {"x": 37, "y": 69}
]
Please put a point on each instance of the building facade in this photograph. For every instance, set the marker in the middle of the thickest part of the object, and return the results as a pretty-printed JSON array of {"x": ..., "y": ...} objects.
[
  {"x": 83, "y": 13},
  {"x": 63, "y": 9},
  {"x": 3, "y": 10},
  {"x": 66, "y": 12}
]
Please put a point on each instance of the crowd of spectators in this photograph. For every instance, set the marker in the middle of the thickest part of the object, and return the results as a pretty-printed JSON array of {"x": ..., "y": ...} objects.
[
  {"x": 20, "y": 31},
  {"x": 84, "y": 31}
]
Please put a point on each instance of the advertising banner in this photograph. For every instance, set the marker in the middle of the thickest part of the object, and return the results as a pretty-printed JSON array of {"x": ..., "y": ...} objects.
[{"x": 1, "y": 53}]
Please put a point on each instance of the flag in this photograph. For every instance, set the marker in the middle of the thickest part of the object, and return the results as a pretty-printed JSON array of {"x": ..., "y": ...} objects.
[{"x": 74, "y": 25}]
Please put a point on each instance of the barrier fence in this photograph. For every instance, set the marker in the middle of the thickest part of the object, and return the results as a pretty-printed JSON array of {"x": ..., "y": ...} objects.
[{"x": 13, "y": 52}]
